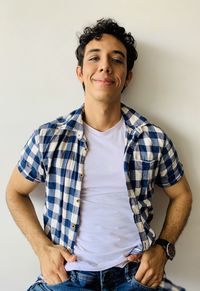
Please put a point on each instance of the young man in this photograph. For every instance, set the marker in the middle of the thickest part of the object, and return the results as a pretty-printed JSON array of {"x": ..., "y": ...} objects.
[{"x": 100, "y": 165}]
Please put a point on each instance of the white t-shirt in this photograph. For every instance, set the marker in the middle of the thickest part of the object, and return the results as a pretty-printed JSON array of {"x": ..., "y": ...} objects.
[{"x": 107, "y": 232}]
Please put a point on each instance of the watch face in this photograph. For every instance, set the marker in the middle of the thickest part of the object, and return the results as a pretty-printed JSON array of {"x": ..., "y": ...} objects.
[{"x": 170, "y": 251}]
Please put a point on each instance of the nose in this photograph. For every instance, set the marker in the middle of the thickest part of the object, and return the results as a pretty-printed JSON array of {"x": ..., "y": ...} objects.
[{"x": 105, "y": 66}]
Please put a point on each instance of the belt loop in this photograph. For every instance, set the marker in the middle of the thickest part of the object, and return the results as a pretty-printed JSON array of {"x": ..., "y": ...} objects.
[
  {"x": 126, "y": 269},
  {"x": 101, "y": 279}
]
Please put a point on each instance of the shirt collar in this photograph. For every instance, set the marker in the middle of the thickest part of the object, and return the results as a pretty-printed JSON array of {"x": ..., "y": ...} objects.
[{"x": 133, "y": 120}]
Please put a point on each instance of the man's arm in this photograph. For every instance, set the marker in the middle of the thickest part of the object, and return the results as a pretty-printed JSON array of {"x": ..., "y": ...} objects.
[
  {"x": 51, "y": 257},
  {"x": 153, "y": 261}
]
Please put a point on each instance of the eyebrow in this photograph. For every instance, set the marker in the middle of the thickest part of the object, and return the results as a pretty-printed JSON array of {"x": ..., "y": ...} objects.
[{"x": 114, "y": 52}]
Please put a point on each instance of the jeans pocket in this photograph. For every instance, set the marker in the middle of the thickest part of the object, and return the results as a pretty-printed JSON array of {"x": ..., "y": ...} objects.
[
  {"x": 38, "y": 286},
  {"x": 59, "y": 286},
  {"x": 139, "y": 286},
  {"x": 130, "y": 278}
]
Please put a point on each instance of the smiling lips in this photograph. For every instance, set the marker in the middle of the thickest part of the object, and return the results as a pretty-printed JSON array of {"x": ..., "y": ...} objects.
[{"x": 104, "y": 81}]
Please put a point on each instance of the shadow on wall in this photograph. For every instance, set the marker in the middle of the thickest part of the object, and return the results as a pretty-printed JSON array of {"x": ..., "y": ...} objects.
[
  {"x": 38, "y": 199},
  {"x": 165, "y": 75},
  {"x": 160, "y": 202}
]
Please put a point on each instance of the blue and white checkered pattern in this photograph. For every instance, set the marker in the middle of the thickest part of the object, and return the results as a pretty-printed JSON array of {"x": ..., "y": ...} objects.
[{"x": 55, "y": 154}]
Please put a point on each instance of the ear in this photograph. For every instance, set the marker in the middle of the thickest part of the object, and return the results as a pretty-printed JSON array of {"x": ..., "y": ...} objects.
[
  {"x": 128, "y": 78},
  {"x": 79, "y": 73}
]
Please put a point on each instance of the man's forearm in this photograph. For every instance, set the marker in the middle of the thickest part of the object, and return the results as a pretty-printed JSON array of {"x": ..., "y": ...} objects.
[
  {"x": 153, "y": 261},
  {"x": 24, "y": 214},
  {"x": 52, "y": 257},
  {"x": 176, "y": 217}
]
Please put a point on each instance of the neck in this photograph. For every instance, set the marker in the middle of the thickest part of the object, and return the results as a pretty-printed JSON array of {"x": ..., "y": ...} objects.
[{"x": 102, "y": 116}]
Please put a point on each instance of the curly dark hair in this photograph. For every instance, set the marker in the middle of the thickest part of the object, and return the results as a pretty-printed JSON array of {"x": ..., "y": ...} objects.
[{"x": 108, "y": 26}]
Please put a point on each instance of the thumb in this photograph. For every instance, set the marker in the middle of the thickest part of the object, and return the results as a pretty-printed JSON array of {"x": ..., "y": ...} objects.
[
  {"x": 67, "y": 256},
  {"x": 134, "y": 257}
]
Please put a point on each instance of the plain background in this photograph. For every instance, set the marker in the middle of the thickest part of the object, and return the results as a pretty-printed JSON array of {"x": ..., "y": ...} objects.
[{"x": 38, "y": 83}]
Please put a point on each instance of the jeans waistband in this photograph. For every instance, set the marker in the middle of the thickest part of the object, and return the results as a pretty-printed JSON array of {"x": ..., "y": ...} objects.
[{"x": 114, "y": 273}]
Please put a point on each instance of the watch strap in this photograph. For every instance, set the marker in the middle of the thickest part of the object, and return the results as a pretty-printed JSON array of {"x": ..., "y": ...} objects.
[
  {"x": 162, "y": 242},
  {"x": 168, "y": 247}
]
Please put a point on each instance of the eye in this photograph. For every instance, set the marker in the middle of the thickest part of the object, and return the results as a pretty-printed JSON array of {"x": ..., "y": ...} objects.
[
  {"x": 94, "y": 58},
  {"x": 117, "y": 60}
]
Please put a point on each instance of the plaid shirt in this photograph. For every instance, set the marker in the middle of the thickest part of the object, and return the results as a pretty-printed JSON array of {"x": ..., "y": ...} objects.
[{"x": 55, "y": 155}]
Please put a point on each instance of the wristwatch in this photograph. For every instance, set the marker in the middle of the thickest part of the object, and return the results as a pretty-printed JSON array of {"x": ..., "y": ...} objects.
[{"x": 167, "y": 246}]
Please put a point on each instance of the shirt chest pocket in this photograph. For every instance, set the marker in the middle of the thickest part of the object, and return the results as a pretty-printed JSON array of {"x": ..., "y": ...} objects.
[{"x": 142, "y": 174}]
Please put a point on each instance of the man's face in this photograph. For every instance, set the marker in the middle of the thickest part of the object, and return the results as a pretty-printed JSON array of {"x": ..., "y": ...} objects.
[{"x": 104, "y": 70}]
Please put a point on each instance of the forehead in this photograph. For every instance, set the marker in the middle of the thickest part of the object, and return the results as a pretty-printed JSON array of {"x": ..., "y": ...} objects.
[{"x": 107, "y": 43}]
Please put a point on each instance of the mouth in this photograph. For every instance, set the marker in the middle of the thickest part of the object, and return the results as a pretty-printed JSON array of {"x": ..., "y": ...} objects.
[{"x": 104, "y": 82}]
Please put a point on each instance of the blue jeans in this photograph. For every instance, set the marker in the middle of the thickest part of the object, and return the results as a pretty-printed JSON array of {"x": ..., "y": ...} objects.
[{"x": 113, "y": 279}]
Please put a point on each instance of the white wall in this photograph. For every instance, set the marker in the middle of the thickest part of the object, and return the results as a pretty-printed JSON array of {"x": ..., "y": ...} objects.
[{"x": 38, "y": 83}]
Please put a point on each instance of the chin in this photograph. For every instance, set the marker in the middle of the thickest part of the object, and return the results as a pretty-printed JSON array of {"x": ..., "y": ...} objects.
[{"x": 107, "y": 98}]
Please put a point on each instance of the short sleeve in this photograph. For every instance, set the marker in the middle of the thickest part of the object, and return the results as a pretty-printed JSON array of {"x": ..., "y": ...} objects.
[
  {"x": 30, "y": 164},
  {"x": 170, "y": 168}
]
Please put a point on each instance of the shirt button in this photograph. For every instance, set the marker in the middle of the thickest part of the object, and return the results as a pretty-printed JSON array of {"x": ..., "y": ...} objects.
[
  {"x": 85, "y": 150},
  {"x": 73, "y": 225},
  {"x": 77, "y": 200}
]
